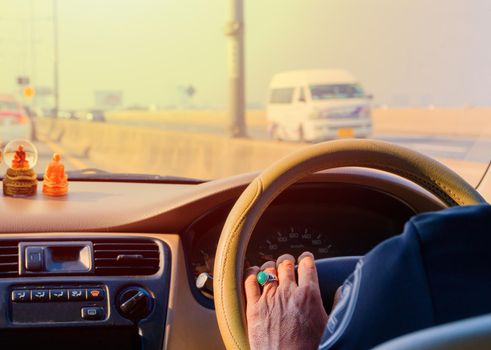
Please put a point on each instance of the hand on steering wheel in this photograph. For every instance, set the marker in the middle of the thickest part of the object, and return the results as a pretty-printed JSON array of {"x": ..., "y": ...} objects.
[
  {"x": 442, "y": 182},
  {"x": 287, "y": 314}
]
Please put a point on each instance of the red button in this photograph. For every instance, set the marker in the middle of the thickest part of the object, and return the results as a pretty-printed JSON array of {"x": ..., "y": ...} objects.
[{"x": 95, "y": 294}]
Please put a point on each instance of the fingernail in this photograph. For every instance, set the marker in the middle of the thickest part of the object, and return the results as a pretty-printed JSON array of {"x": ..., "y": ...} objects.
[
  {"x": 285, "y": 257},
  {"x": 268, "y": 264},
  {"x": 305, "y": 254}
]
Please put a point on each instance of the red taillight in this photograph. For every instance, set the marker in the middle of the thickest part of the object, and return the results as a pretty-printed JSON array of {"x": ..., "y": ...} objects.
[{"x": 14, "y": 118}]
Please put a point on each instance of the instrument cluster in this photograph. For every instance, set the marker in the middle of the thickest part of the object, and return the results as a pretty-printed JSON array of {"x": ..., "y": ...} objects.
[{"x": 329, "y": 220}]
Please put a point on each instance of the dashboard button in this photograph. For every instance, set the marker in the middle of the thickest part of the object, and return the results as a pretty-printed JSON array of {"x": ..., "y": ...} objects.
[
  {"x": 76, "y": 294},
  {"x": 20, "y": 296},
  {"x": 34, "y": 258},
  {"x": 39, "y": 295},
  {"x": 95, "y": 294},
  {"x": 92, "y": 313},
  {"x": 58, "y": 294}
]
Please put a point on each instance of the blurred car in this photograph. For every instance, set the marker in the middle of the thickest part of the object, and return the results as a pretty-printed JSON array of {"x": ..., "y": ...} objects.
[
  {"x": 95, "y": 116},
  {"x": 46, "y": 112},
  {"x": 14, "y": 120},
  {"x": 68, "y": 115}
]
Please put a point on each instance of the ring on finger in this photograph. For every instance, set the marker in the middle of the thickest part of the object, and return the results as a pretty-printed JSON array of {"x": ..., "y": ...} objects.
[{"x": 263, "y": 278}]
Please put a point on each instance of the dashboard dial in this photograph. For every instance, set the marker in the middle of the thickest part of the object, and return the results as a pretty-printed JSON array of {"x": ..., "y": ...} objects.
[
  {"x": 294, "y": 240},
  {"x": 267, "y": 244}
]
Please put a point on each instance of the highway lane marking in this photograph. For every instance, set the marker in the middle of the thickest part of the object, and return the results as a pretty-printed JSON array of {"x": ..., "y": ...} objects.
[{"x": 78, "y": 164}]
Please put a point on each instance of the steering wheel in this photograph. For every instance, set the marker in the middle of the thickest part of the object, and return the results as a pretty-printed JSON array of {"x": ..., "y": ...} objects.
[{"x": 229, "y": 261}]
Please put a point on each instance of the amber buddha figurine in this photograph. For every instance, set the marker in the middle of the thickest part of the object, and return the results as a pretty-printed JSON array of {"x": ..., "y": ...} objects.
[
  {"x": 20, "y": 180},
  {"x": 55, "y": 181}
]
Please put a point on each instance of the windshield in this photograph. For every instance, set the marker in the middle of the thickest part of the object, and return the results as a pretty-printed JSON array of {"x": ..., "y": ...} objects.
[
  {"x": 210, "y": 89},
  {"x": 328, "y": 92}
]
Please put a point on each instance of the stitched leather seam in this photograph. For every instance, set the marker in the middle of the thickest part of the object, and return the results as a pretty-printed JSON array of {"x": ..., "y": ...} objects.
[
  {"x": 433, "y": 184},
  {"x": 232, "y": 237},
  {"x": 450, "y": 197},
  {"x": 459, "y": 200}
]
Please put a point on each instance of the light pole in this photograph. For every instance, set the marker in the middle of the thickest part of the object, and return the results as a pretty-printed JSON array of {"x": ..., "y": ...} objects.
[
  {"x": 32, "y": 48},
  {"x": 56, "y": 94},
  {"x": 234, "y": 30}
]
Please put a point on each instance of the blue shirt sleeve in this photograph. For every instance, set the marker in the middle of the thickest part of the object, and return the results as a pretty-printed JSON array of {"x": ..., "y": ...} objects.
[{"x": 436, "y": 271}]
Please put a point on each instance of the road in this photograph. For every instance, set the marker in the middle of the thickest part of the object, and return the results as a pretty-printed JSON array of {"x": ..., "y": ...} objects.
[{"x": 475, "y": 150}]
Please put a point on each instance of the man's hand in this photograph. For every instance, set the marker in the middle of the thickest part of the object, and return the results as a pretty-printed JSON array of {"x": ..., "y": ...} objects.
[{"x": 287, "y": 314}]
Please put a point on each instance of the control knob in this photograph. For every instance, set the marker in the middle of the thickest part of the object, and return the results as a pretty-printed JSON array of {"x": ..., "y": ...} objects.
[{"x": 134, "y": 303}]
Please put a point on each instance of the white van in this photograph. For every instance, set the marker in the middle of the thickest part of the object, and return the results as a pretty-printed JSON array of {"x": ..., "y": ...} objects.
[{"x": 316, "y": 105}]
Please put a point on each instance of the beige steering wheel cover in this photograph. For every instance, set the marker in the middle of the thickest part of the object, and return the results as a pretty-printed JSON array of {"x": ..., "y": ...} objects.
[{"x": 229, "y": 260}]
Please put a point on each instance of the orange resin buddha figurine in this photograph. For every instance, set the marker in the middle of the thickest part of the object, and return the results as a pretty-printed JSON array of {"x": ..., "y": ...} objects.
[
  {"x": 55, "y": 181},
  {"x": 20, "y": 180},
  {"x": 20, "y": 162}
]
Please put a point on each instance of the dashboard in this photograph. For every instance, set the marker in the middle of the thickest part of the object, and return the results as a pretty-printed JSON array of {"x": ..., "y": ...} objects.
[
  {"x": 76, "y": 297},
  {"x": 329, "y": 220}
]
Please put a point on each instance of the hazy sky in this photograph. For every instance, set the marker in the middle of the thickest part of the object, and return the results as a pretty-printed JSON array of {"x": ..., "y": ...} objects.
[{"x": 404, "y": 52}]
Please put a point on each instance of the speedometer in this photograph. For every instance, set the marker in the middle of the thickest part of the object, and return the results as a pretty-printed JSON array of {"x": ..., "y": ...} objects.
[
  {"x": 294, "y": 240},
  {"x": 328, "y": 220}
]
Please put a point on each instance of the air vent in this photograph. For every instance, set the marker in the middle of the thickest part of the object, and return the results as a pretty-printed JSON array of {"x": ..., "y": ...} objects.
[
  {"x": 9, "y": 259},
  {"x": 126, "y": 257}
]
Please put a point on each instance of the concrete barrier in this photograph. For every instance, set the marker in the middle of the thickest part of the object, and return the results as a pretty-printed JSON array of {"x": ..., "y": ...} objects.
[
  {"x": 124, "y": 148},
  {"x": 121, "y": 148},
  {"x": 255, "y": 118}
]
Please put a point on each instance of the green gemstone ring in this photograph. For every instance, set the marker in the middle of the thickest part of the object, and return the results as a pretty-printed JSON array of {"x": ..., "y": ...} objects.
[{"x": 264, "y": 278}]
